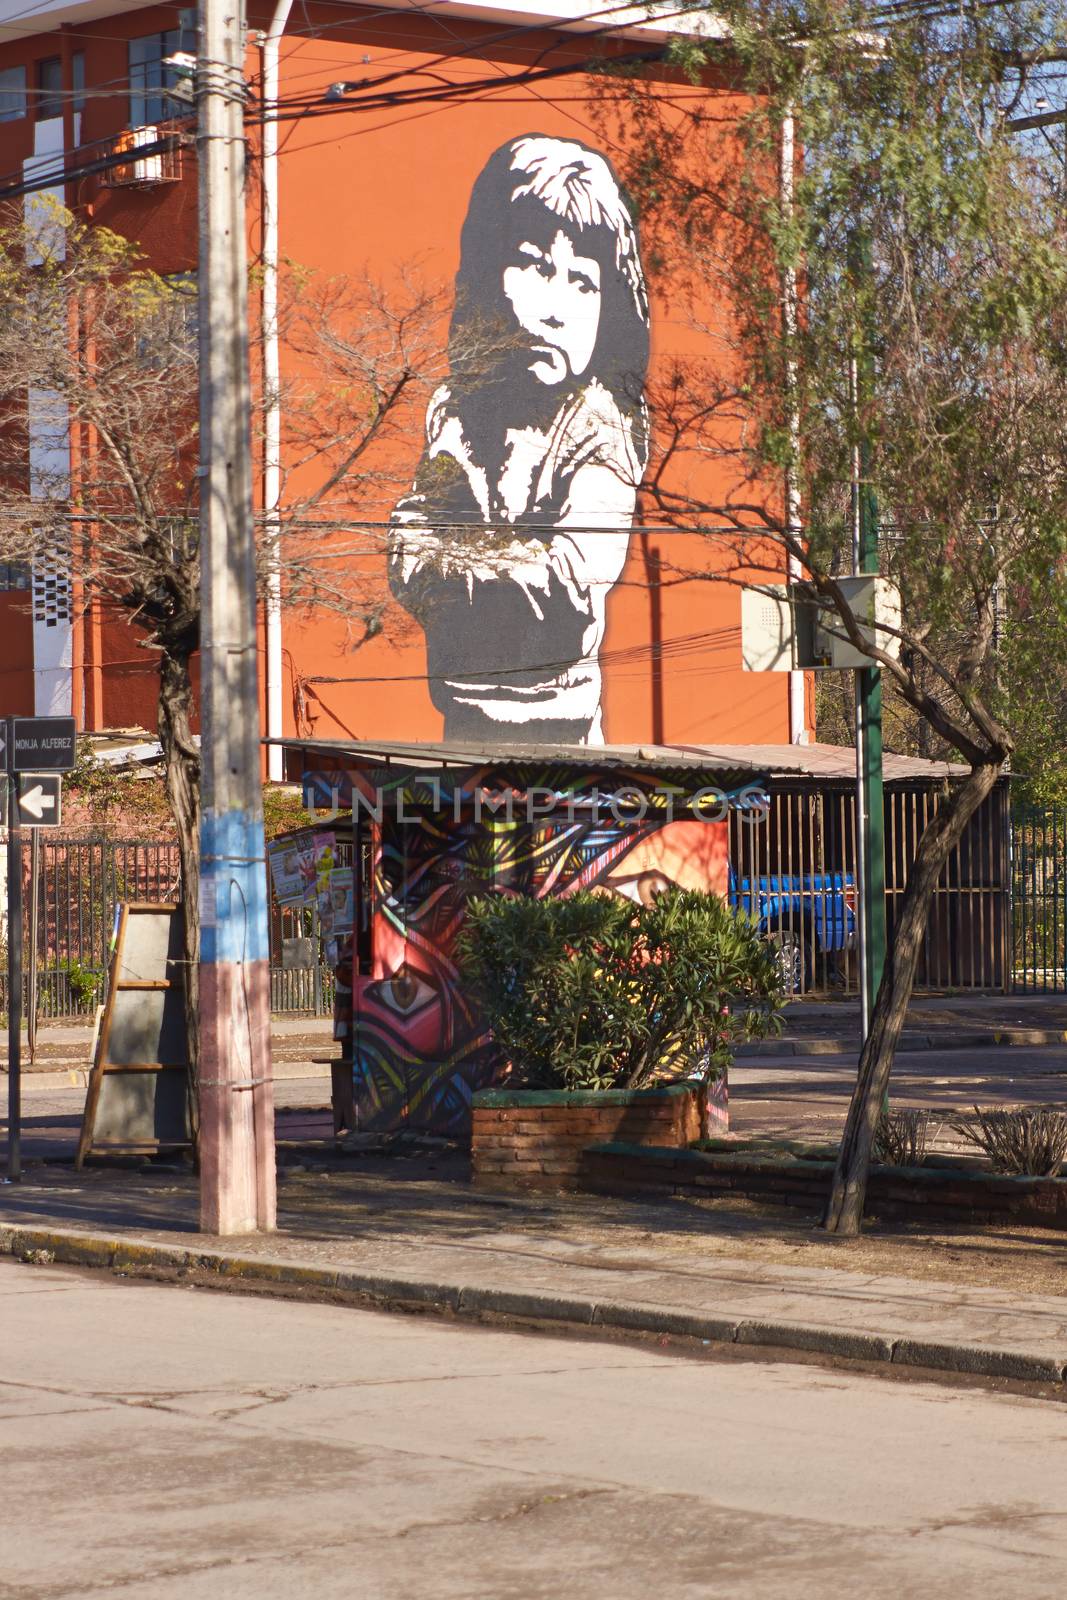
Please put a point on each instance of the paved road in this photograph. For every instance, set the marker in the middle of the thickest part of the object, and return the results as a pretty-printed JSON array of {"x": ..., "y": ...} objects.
[{"x": 164, "y": 1444}]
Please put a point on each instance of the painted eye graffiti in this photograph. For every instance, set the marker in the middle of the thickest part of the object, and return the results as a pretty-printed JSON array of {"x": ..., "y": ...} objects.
[
  {"x": 405, "y": 991},
  {"x": 643, "y": 887}
]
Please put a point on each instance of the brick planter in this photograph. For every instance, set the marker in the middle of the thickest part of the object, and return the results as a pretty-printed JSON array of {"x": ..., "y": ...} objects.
[
  {"x": 534, "y": 1138},
  {"x": 916, "y": 1194}
]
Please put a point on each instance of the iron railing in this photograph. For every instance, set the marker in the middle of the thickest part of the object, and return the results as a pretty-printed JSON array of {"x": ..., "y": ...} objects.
[
  {"x": 1039, "y": 899},
  {"x": 998, "y": 920},
  {"x": 78, "y": 882},
  {"x": 802, "y": 861}
]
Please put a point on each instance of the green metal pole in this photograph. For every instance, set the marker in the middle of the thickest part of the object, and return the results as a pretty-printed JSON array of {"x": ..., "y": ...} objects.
[
  {"x": 870, "y": 796},
  {"x": 869, "y": 733}
]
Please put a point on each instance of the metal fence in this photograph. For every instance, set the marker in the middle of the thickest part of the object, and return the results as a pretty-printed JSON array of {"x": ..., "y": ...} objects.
[
  {"x": 998, "y": 920},
  {"x": 1039, "y": 899},
  {"x": 70, "y": 890},
  {"x": 805, "y": 854}
]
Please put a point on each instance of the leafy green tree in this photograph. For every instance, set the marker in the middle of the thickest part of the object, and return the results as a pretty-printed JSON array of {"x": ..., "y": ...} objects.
[{"x": 877, "y": 267}]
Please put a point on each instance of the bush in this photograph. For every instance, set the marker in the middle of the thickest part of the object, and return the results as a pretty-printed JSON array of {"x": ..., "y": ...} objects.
[
  {"x": 590, "y": 991},
  {"x": 900, "y": 1138},
  {"x": 82, "y": 984},
  {"x": 1028, "y": 1141}
]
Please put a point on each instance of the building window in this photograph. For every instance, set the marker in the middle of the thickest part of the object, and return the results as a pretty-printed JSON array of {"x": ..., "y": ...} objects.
[
  {"x": 12, "y": 93},
  {"x": 49, "y": 89},
  {"x": 186, "y": 287},
  {"x": 13, "y": 575},
  {"x": 149, "y": 78},
  {"x": 77, "y": 67},
  {"x": 173, "y": 336}
]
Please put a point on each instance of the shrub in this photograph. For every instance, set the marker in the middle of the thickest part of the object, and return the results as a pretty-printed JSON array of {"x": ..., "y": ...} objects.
[
  {"x": 900, "y": 1138},
  {"x": 83, "y": 985},
  {"x": 1026, "y": 1141},
  {"x": 589, "y": 991}
]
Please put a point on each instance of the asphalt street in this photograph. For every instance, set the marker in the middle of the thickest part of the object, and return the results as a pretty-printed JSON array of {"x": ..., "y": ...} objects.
[{"x": 159, "y": 1442}]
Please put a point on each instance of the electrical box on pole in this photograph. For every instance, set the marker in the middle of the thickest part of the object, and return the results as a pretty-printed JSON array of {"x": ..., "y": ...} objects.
[
  {"x": 777, "y": 628},
  {"x": 785, "y": 628}
]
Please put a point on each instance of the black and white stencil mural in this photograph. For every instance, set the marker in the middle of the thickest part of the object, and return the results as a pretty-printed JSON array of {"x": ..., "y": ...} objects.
[{"x": 540, "y": 435}]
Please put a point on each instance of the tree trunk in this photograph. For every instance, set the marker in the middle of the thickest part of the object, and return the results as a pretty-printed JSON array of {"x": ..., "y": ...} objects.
[
  {"x": 844, "y": 1213},
  {"x": 181, "y": 759}
]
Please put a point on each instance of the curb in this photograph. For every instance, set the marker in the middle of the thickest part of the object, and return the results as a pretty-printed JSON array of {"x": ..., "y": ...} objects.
[
  {"x": 133, "y": 1257},
  {"x": 910, "y": 1042}
]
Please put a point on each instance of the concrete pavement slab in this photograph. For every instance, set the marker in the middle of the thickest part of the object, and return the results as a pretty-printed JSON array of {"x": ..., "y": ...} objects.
[{"x": 241, "y": 1449}]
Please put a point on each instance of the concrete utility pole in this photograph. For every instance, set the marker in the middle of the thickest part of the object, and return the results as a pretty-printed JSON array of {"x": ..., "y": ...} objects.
[{"x": 237, "y": 1175}]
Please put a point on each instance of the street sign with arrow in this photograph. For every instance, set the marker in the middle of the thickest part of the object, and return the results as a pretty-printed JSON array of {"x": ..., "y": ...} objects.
[
  {"x": 33, "y": 799},
  {"x": 40, "y": 799}
]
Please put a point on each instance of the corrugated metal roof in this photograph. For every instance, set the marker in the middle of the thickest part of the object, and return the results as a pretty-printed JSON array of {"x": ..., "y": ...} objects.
[
  {"x": 829, "y": 761},
  {"x": 836, "y": 761},
  {"x": 640, "y": 757}
]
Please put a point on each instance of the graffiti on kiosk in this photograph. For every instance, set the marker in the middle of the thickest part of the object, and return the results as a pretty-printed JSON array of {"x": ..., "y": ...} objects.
[
  {"x": 420, "y": 1046},
  {"x": 541, "y": 436}
]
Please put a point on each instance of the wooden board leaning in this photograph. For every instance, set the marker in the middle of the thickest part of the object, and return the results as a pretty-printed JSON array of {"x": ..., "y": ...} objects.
[{"x": 138, "y": 1099}]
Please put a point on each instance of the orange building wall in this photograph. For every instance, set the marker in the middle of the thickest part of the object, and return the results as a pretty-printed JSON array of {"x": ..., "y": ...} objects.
[
  {"x": 16, "y": 654},
  {"x": 376, "y": 194}
]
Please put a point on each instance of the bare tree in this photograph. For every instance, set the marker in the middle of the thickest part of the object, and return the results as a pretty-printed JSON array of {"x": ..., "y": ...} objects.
[
  {"x": 99, "y": 450},
  {"x": 894, "y": 299}
]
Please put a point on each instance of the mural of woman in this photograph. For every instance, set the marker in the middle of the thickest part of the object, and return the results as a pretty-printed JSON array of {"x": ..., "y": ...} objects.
[{"x": 541, "y": 437}]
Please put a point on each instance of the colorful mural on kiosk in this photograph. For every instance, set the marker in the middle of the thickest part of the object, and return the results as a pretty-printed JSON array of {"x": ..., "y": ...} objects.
[{"x": 419, "y": 1047}]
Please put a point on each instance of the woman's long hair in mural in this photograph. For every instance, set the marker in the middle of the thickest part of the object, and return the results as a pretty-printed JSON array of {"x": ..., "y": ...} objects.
[{"x": 538, "y": 441}]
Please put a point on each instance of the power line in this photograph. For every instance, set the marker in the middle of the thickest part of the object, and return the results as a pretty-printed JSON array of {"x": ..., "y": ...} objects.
[
  {"x": 54, "y": 178},
  {"x": 307, "y": 107}
]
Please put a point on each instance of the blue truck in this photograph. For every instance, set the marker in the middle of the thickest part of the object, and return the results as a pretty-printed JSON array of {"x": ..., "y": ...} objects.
[{"x": 808, "y": 917}]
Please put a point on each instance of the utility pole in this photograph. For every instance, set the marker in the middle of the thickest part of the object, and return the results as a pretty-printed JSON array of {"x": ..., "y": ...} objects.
[{"x": 237, "y": 1171}]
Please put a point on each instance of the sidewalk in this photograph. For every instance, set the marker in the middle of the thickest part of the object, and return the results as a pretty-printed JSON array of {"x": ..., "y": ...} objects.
[
  {"x": 405, "y": 1231},
  {"x": 934, "y": 1022},
  {"x": 299, "y": 1045},
  {"x": 816, "y": 1027}
]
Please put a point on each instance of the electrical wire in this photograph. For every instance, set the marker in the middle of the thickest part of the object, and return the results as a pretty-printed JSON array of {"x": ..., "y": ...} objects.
[
  {"x": 53, "y": 178},
  {"x": 294, "y": 109}
]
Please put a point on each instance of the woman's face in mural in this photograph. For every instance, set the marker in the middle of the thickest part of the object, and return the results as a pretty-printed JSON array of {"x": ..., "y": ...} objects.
[{"x": 554, "y": 293}]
